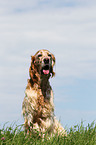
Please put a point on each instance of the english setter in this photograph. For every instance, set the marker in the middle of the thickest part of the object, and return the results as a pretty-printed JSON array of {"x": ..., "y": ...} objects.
[{"x": 38, "y": 106}]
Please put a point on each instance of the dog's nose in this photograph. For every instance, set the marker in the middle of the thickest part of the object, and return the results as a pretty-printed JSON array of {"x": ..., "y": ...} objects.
[{"x": 46, "y": 60}]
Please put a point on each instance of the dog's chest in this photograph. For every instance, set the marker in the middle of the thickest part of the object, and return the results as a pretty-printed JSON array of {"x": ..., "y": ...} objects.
[
  {"x": 40, "y": 102},
  {"x": 44, "y": 106}
]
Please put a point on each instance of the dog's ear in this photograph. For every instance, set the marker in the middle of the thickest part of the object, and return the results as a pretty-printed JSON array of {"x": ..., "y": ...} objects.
[
  {"x": 33, "y": 71},
  {"x": 53, "y": 60},
  {"x": 33, "y": 59},
  {"x": 53, "y": 63}
]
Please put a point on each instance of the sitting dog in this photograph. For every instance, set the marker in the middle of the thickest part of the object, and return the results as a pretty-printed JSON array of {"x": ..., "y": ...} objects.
[{"x": 38, "y": 106}]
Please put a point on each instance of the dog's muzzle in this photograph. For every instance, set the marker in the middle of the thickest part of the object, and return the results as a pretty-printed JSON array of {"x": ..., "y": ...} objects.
[
  {"x": 46, "y": 67},
  {"x": 45, "y": 70}
]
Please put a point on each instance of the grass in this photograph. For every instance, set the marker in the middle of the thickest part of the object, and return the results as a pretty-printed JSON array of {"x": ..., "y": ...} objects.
[{"x": 77, "y": 135}]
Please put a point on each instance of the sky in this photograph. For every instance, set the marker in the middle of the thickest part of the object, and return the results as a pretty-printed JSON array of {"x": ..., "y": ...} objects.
[{"x": 67, "y": 28}]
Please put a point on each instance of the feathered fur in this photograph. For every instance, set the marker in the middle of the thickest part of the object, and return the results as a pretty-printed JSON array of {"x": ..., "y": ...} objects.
[{"x": 38, "y": 106}]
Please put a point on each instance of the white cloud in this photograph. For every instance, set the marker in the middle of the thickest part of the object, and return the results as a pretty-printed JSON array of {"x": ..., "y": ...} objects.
[
  {"x": 11, "y": 6},
  {"x": 68, "y": 32}
]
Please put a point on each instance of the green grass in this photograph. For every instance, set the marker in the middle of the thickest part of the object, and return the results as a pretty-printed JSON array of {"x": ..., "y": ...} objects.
[{"x": 77, "y": 135}]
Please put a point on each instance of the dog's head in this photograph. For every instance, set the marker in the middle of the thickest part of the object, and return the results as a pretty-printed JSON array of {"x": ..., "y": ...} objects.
[{"x": 42, "y": 65}]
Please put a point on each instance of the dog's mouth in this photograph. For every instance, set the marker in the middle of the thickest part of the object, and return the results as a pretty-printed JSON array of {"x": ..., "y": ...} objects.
[{"x": 45, "y": 70}]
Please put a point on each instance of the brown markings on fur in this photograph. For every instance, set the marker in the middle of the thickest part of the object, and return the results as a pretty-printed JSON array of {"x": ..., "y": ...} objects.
[
  {"x": 53, "y": 58},
  {"x": 42, "y": 103},
  {"x": 40, "y": 106},
  {"x": 33, "y": 72}
]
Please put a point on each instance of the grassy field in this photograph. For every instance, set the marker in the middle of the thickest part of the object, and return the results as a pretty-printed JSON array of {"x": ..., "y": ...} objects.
[{"x": 77, "y": 135}]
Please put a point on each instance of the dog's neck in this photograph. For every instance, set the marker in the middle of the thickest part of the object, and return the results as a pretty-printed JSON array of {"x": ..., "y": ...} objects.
[
  {"x": 44, "y": 85},
  {"x": 44, "y": 82}
]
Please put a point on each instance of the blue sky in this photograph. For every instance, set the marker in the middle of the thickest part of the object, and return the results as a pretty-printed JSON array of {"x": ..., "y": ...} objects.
[{"x": 66, "y": 28}]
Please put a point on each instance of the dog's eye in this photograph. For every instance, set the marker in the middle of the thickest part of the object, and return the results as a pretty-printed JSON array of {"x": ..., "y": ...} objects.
[
  {"x": 39, "y": 55},
  {"x": 49, "y": 55}
]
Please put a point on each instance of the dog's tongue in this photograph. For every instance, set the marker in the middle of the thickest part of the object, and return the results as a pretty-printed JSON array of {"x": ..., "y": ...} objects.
[{"x": 46, "y": 72}]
